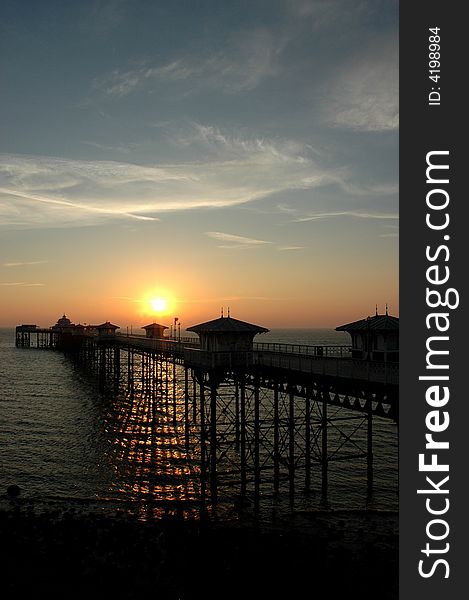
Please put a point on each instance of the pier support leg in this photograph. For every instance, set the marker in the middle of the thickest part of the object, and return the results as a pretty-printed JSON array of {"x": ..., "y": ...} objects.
[
  {"x": 324, "y": 460},
  {"x": 102, "y": 367},
  {"x": 117, "y": 368},
  {"x": 307, "y": 443},
  {"x": 369, "y": 449},
  {"x": 276, "y": 440},
  {"x": 166, "y": 382},
  {"x": 242, "y": 408},
  {"x": 257, "y": 432},
  {"x": 150, "y": 374},
  {"x": 291, "y": 447},
  {"x": 194, "y": 400},
  {"x": 203, "y": 443},
  {"x": 237, "y": 416},
  {"x": 213, "y": 443},
  {"x": 186, "y": 407},
  {"x": 174, "y": 384},
  {"x": 129, "y": 372},
  {"x": 159, "y": 376}
]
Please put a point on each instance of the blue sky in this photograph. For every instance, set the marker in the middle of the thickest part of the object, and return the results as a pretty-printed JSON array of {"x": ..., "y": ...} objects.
[{"x": 237, "y": 144}]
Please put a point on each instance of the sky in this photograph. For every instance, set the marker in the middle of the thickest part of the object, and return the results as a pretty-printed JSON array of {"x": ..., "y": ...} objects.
[{"x": 205, "y": 154}]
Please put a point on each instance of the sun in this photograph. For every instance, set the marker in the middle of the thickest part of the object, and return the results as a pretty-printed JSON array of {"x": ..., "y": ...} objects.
[
  {"x": 157, "y": 302},
  {"x": 159, "y": 305}
]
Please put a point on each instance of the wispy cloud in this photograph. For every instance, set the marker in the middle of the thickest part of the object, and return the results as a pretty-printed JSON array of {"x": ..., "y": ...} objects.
[
  {"x": 56, "y": 210},
  {"x": 120, "y": 148},
  {"x": 40, "y": 191},
  {"x": 123, "y": 82},
  {"x": 21, "y": 284},
  {"x": 129, "y": 298},
  {"x": 25, "y": 263},
  {"x": 247, "y": 59},
  {"x": 393, "y": 232},
  {"x": 365, "y": 95},
  {"x": 241, "y": 242},
  {"x": 324, "y": 14},
  {"x": 106, "y": 15},
  {"x": 239, "y": 298},
  {"x": 235, "y": 241},
  {"x": 364, "y": 188},
  {"x": 347, "y": 213}
]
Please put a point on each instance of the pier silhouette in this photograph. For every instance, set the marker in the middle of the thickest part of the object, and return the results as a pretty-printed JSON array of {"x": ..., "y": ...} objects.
[{"x": 258, "y": 418}]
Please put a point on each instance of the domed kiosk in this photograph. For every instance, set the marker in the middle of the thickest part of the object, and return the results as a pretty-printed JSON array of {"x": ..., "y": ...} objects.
[
  {"x": 224, "y": 342},
  {"x": 63, "y": 323},
  {"x": 154, "y": 330},
  {"x": 374, "y": 338},
  {"x": 226, "y": 334},
  {"x": 106, "y": 329}
]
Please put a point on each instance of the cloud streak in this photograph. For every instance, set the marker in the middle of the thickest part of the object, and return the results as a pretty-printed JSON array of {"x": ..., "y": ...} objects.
[
  {"x": 235, "y": 241},
  {"x": 288, "y": 248},
  {"x": 241, "y": 242},
  {"x": 247, "y": 60},
  {"x": 40, "y": 191},
  {"x": 25, "y": 263},
  {"x": 347, "y": 213},
  {"x": 21, "y": 284}
]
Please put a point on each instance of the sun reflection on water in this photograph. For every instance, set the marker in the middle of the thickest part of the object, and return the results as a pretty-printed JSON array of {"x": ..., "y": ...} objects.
[
  {"x": 156, "y": 471},
  {"x": 147, "y": 450}
]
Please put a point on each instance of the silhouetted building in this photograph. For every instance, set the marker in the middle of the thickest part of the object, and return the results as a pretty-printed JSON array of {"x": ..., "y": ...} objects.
[
  {"x": 26, "y": 327},
  {"x": 374, "y": 338},
  {"x": 63, "y": 322},
  {"x": 226, "y": 334},
  {"x": 106, "y": 329},
  {"x": 65, "y": 326},
  {"x": 154, "y": 330}
]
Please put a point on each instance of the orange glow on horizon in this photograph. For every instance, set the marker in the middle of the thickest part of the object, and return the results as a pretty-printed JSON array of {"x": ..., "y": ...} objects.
[{"x": 299, "y": 302}]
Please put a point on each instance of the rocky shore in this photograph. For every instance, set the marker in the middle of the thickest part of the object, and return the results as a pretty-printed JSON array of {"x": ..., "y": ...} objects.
[{"x": 70, "y": 554}]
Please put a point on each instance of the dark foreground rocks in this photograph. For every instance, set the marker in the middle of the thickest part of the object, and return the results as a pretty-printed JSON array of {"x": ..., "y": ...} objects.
[{"x": 61, "y": 554}]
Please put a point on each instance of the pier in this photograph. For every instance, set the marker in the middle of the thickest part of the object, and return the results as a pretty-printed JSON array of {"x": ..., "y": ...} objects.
[{"x": 258, "y": 418}]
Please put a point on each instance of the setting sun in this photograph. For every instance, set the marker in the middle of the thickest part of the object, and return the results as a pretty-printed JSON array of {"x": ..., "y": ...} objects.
[{"x": 159, "y": 305}]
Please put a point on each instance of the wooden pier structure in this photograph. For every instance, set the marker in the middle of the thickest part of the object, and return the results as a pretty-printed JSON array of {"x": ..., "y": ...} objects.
[{"x": 257, "y": 417}]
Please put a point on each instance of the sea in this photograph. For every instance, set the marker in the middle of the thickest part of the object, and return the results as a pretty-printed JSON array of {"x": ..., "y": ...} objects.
[{"x": 62, "y": 441}]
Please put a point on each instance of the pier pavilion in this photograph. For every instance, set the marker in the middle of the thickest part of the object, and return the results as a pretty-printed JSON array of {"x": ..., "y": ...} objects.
[
  {"x": 106, "y": 329},
  {"x": 154, "y": 330},
  {"x": 374, "y": 338},
  {"x": 226, "y": 334}
]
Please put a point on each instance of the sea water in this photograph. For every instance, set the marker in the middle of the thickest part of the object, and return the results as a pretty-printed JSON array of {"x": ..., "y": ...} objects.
[{"x": 61, "y": 439}]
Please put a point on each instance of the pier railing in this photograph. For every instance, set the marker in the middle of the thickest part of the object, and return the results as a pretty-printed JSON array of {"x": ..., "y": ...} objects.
[
  {"x": 334, "y": 366},
  {"x": 317, "y": 350},
  {"x": 193, "y": 342},
  {"x": 333, "y": 361},
  {"x": 158, "y": 344}
]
